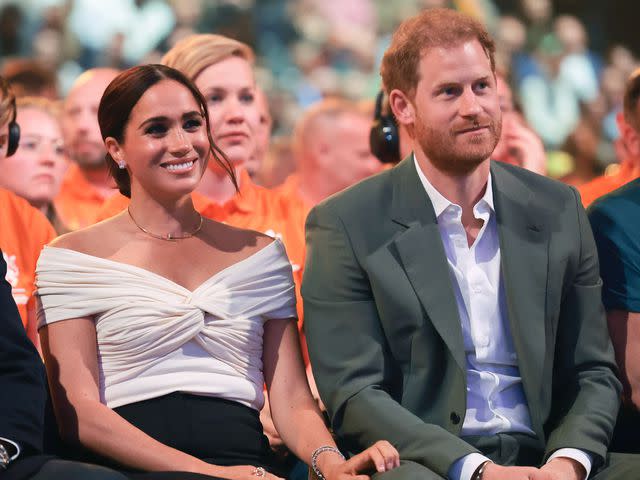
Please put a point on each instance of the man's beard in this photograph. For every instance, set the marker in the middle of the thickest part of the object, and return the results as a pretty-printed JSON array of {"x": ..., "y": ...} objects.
[
  {"x": 95, "y": 160},
  {"x": 444, "y": 151}
]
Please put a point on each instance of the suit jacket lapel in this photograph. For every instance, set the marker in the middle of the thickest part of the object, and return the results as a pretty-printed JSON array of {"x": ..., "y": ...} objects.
[
  {"x": 423, "y": 257},
  {"x": 524, "y": 256}
]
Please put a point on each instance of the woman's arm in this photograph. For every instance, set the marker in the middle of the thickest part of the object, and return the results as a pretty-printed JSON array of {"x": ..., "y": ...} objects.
[
  {"x": 70, "y": 353},
  {"x": 296, "y": 414}
]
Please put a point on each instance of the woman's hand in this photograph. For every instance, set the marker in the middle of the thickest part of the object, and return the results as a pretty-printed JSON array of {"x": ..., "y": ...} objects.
[
  {"x": 380, "y": 457},
  {"x": 241, "y": 472}
]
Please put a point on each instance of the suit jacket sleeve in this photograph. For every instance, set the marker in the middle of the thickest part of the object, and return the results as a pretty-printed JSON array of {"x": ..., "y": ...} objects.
[
  {"x": 586, "y": 390},
  {"x": 351, "y": 361},
  {"x": 22, "y": 380}
]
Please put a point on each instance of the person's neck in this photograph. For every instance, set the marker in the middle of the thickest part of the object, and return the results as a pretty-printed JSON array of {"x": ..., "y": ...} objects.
[
  {"x": 465, "y": 189},
  {"x": 100, "y": 179},
  {"x": 310, "y": 189},
  {"x": 217, "y": 186},
  {"x": 42, "y": 206},
  {"x": 176, "y": 216}
]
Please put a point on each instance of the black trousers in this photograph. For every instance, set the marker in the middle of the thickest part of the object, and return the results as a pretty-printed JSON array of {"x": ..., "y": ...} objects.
[{"x": 215, "y": 430}]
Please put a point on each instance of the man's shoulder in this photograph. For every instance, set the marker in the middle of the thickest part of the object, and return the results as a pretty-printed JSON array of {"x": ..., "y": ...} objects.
[
  {"x": 620, "y": 202},
  {"x": 616, "y": 210},
  {"x": 546, "y": 191}
]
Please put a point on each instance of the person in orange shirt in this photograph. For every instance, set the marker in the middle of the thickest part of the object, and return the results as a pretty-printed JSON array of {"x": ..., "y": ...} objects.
[
  {"x": 87, "y": 183},
  {"x": 627, "y": 146},
  {"x": 24, "y": 230},
  {"x": 331, "y": 147},
  {"x": 36, "y": 170}
]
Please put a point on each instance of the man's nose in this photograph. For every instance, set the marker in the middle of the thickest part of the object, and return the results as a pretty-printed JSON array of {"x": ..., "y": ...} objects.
[{"x": 469, "y": 104}]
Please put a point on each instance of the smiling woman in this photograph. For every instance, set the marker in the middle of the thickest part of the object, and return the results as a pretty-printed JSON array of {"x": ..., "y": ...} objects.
[
  {"x": 147, "y": 117},
  {"x": 172, "y": 322}
]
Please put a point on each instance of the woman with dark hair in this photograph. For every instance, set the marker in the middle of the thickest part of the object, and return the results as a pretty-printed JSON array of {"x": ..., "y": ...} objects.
[{"x": 159, "y": 327}]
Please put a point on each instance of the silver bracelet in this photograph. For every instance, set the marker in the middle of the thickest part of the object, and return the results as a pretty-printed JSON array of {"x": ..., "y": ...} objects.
[
  {"x": 314, "y": 459},
  {"x": 4, "y": 457}
]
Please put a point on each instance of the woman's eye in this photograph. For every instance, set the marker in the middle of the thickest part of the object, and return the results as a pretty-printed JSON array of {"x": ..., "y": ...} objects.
[
  {"x": 192, "y": 124},
  {"x": 215, "y": 98},
  {"x": 247, "y": 98},
  {"x": 29, "y": 145},
  {"x": 156, "y": 129}
]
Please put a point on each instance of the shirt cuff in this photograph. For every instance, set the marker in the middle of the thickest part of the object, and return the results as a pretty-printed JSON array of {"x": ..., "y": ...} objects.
[
  {"x": 464, "y": 467},
  {"x": 583, "y": 458},
  {"x": 15, "y": 445}
]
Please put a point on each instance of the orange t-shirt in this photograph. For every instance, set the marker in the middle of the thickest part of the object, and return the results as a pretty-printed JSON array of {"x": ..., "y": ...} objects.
[
  {"x": 79, "y": 201},
  {"x": 25, "y": 230},
  {"x": 604, "y": 184}
]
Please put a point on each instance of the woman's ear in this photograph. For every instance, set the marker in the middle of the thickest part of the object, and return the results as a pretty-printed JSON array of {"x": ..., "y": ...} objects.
[{"x": 115, "y": 150}]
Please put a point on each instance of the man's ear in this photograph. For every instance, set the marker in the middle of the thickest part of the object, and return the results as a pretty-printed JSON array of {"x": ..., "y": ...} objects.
[
  {"x": 402, "y": 107},
  {"x": 630, "y": 137}
]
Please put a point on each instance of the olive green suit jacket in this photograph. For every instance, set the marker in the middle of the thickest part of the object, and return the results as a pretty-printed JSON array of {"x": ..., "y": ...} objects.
[{"x": 384, "y": 333}]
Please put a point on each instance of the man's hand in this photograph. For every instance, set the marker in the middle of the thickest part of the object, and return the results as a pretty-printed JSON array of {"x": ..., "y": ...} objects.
[
  {"x": 563, "y": 468},
  {"x": 497, "y": 472}
]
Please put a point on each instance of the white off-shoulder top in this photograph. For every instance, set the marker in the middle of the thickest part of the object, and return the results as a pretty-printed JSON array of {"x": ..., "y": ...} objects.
[{"x": 155, "y": 337}]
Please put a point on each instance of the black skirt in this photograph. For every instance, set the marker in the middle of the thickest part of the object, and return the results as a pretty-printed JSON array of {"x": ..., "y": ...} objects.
[{"x": 215, "y": 430}]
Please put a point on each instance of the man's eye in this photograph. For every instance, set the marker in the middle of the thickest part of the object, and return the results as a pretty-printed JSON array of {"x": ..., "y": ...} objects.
[{"x": 247, "y": 98}]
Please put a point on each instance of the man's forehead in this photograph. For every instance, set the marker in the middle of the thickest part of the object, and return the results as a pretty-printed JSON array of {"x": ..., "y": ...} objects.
[
  {"x": 468, "y": 58},
  {"x": 90, "y": 86}
]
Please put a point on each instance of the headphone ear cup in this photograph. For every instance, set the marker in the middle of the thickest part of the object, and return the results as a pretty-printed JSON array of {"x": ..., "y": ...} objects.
[
  {"x": 384, "y": 139},
  {"x": 14, "y": 138}
]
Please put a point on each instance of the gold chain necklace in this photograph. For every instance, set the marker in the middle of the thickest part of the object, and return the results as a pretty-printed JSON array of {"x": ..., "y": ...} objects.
[{"x": 168, "y": 236}]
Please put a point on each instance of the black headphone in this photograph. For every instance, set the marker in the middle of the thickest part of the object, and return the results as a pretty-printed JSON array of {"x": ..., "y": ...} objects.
[
  {"x": 14, "y": 128},
  {"x": 384, "y": 139}
]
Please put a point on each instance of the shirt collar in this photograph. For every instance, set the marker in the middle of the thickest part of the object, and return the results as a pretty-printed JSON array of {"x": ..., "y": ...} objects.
[{"x": 440, "y": 202}]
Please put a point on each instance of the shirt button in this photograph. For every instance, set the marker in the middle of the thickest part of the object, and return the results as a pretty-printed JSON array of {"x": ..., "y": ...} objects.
[{"x": 455, "y": 418}]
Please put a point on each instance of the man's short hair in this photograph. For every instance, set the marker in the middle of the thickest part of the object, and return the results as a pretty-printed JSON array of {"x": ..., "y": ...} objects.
[
  {"x": 329, "y": 108},
  {"x": 631, "y": 98},
  {"x": 438, "y": 27},
  {"x": 193, "y": 54}
]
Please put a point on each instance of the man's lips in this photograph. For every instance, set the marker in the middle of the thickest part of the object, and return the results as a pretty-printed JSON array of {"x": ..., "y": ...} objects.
[{"x": 472, "y": 128}]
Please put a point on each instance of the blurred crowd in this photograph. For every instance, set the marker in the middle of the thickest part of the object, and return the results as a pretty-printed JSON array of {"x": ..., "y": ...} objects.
[{"x": 310, "y": 49}]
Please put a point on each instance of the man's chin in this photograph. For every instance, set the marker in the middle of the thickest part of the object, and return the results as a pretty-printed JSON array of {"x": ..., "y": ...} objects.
[{"x": 90, "y": 163}]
